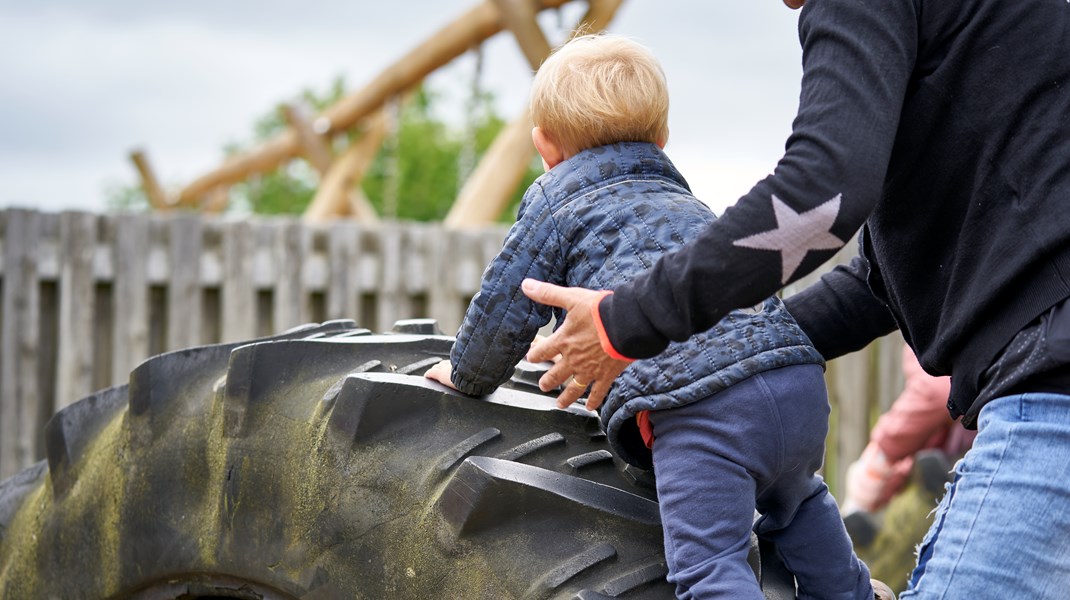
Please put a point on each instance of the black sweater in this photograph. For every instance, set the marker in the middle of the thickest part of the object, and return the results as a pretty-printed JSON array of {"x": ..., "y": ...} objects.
[{"x": 942, "y": 130}]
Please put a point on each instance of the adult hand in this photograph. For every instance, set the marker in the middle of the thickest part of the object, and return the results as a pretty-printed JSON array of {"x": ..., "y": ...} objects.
[{"x": 576, "y": 340}]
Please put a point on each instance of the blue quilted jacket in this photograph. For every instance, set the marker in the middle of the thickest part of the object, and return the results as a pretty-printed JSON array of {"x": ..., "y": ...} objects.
[{"x": 595, "y": 221}]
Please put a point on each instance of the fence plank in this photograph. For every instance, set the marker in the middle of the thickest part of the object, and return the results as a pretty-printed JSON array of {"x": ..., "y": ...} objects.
[
  {"x": 391, "y": 288},
  {"x": 130, "y": 295},
  {"x": 238, "y": 289},
  {"x": 343, "y": 292},
  {"x": 19, "y": 400},
  {"x": 443, "y": 263},
  {"x": 370, "y": 266},
  {"x": 184, "y": 291},
  {"x": 75, "y": 364},
  {"x": 291, "y": 296}
]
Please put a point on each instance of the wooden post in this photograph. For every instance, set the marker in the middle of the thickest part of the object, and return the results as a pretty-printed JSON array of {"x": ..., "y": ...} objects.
[
  {"x": 153, "y": 191},
  {"x": 494, "y": 180},
  {"x": 20, "y": 397},
  {"x": 238, "y": 287},
  {"x": 519, "y": 17},
  {"x": 184, "y": 285},
  {"x": 343, "y": 265},
  {"x": 487, "y": 191},
  {"x": 336, "y": 194},
  {"x": 130, "y": 295},
  {"x": 216, "y": 200},
  {"x": 453, "y": 40},
  {"x": 599, "y": 14},
  {"x": 293, "y": 245},
  {"x": 313, "y": 147},
  {"x": 78, "y": 237}
]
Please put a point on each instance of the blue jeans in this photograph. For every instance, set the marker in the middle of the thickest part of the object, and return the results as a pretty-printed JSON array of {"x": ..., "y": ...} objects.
[
  {"x": 754, "y": 445},
  {"x": 1002, "y": 529}
]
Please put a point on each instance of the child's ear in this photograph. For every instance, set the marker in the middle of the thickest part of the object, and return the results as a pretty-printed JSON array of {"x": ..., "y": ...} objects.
[{"x": 551, "y": 153}]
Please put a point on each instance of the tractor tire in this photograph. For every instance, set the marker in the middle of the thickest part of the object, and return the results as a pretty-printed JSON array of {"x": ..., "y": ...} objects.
[{"x": 321, "y": 464}]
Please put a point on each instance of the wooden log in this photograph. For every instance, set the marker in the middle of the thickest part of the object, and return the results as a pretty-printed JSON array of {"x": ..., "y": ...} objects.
[
  {"x": 216, "y": 200},
  {"x": 238, "y": 167},
  {"x": 149, "y": 183},
  {"x": 487, "y": 191},
  {"x": 453, "y": 40},
  {"x": 313, "y": 146},
  {"x": 360, "y": 208},
  {"x": 519, "y": 17},
  {"x": 20, "y": 400},
  {"x": 599, "y": 14},
  {"x": 74, "y": 370},
  {"x": 337, "y": 194},
  {"x": 130, "y": 295}
]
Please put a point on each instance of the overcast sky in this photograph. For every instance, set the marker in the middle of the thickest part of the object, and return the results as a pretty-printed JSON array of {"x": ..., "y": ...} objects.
[{"x": 82, "y": 82}]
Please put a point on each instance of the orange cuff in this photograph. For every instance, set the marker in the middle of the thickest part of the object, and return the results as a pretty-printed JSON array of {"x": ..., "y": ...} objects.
[{"x": 603, "y": 337}]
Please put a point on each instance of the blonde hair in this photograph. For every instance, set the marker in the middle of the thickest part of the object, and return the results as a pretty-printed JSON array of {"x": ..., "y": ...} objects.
[{"x": 599, "y": 89}]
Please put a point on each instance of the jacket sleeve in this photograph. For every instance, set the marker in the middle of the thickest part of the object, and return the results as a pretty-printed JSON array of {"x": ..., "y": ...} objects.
[
  {"x": 839, "y": 312},
  {"x": 501, "y": 321},
  {"x": 857, "y": 61}
]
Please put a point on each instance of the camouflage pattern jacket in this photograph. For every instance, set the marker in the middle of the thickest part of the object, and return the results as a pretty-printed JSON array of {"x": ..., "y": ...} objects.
[{"x": 595, "y": 221}]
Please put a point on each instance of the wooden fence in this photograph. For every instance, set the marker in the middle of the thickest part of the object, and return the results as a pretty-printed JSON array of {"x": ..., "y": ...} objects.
[{"x": 86, "y": 297}]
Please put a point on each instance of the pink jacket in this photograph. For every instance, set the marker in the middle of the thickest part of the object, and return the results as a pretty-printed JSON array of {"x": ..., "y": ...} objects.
[{"x": 917, "y": 420}]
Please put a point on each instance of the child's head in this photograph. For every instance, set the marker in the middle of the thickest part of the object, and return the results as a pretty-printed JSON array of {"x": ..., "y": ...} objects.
[{"x": 597, "y": 90}]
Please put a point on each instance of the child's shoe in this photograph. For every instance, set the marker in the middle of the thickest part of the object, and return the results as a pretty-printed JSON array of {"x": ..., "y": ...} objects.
[
  {"x": 881, "y": 591},
  {"x": 862, "y": 527}
]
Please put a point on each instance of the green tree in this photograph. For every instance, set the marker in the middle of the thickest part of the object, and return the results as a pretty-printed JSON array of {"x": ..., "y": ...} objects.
[
  {"x": 290, "y": 188},
  {"x": 424, "y": 158}
]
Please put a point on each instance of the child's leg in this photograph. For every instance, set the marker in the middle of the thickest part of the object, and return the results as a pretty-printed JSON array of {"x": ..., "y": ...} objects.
[
  {"x": 706, "y": 457},
  {"x": 706, "y": 499},
  {"x": 798, "y": 513}
]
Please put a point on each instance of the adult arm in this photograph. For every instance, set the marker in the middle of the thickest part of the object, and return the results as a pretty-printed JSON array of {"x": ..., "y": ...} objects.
[
  {"x": 839, "y": 311},
  {"x": 857, "y": 61}
]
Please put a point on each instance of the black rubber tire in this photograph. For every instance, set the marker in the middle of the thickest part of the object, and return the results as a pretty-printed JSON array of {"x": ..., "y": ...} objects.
[{"x": 321, "y": 464}]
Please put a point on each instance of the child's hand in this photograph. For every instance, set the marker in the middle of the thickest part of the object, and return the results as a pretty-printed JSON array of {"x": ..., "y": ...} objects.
[{"x": 441, "y": 373}]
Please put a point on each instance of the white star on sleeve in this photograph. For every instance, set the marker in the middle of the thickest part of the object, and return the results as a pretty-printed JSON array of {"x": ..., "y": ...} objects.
[{"x": 797, "y": 233}]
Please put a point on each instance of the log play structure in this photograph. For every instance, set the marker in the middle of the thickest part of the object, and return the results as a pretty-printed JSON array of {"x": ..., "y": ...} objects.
[{"x": 483, "y": 195}]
